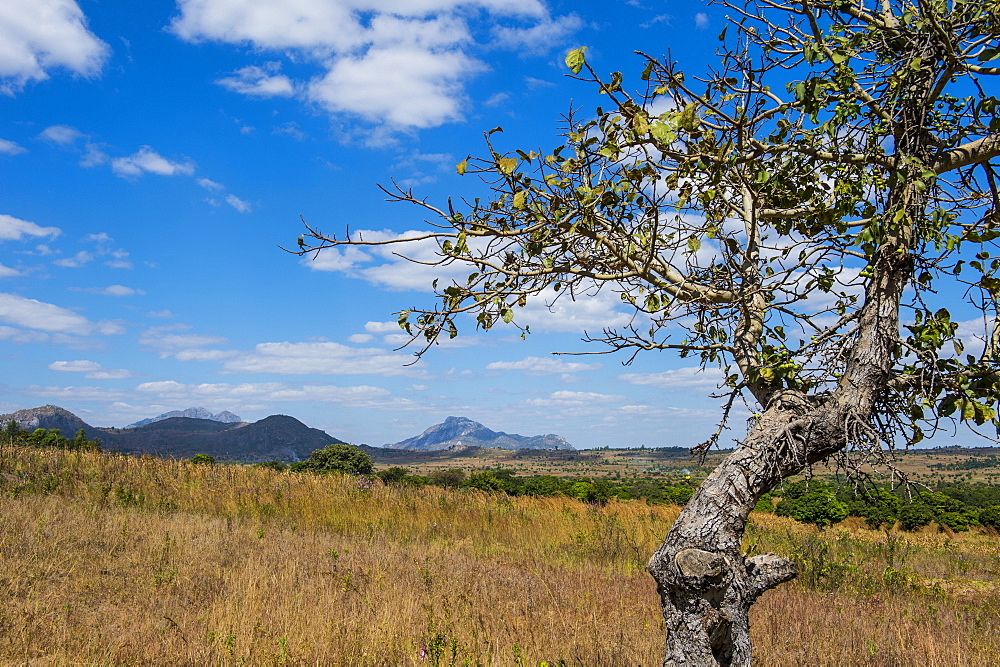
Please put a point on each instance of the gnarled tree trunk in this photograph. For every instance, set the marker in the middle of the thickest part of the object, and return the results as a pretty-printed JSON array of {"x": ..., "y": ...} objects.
[{"x": 705, "y": 583}]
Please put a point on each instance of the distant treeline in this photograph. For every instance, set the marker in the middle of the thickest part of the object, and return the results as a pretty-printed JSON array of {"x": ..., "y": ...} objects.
[
  {"x": 48, "y": 437},
  {"x": 974, "y": 463}
]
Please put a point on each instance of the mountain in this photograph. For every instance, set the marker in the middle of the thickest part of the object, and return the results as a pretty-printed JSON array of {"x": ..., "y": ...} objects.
[
  {"x": 274, "y": 438},
  {"x": 52, "y": 416},
  {"x": 225, "y": 416},
  {"x": 459, "y": 431}
]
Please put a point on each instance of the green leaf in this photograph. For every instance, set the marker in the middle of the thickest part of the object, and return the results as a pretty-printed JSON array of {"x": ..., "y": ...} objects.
[
  {"x": 838, "y": 57},
  {"x": 662, "y": 133},
  {"x": 462, "y": 166},
  {"x": 507, "y": 315},
  {"x": 694, "y": 244},
  {"x": 640, "y": 124},
  {"x": 575, "y": 59},
  {"x": 519, "y": 199},
  {"x": 507, "y": 165}
]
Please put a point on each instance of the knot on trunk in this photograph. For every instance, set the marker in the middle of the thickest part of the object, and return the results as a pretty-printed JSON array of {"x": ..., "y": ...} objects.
[
  {"x": 703, "y": 569},
  {"x": 767, "y": 571}
]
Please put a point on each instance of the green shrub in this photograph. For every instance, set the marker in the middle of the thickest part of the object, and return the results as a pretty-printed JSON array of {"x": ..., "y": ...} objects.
[
  {"x": 203, "y": 459},
  {"x": 915, "y": 515},
  {"x": 337, "y": 457}
]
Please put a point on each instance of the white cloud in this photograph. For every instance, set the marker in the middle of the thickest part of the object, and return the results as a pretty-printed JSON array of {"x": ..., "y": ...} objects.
[
  {"x": 210, "y": 185},
  {"x": 12, "y": 229},
  {"x": 588, "y": 312},
  {"x": 322, "y": 359},
  {"x": 373, "y": 86},
  {"x": 570, "y": 399},
  {"x": 361, "y": 396},
  {"x": 110, "y": 290},
  {"x": 238, "y": 204},
  {"x": 69, "y": 394},
  {"x": 146, "y": 160},
  {"x": 538, "y": 38},
  {"x": 64, "y": 135},
  {"x": 167, "y": 343},
  {"x": 204, "y": 355},
  {"x": 8, "y": 147},
  {"x": 542, "y": 366},
  {"x": 360, "y": 338},
  {"x": 591, "y": 311},
  {"x": 259, "y": 81},
  {"x": 8, "y": 272},
  {"x": 91, "y": 369},
  {"x": 79, "y": 259},
  {"x": 33, "y": 314},
  {"x": 382, "y": 327},
  {"x": 161, "y": 314},
  {"x": 701, "y": 20},
  {"x": 39, "y": 35},
  {"x": 400, "y": 64},
  {"x": 690, "y": 377}
]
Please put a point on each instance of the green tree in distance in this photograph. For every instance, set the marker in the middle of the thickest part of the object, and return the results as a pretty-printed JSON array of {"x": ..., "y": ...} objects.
[
  {"x": 337, "y": 457},
  {"x": 798, "y": 217}
]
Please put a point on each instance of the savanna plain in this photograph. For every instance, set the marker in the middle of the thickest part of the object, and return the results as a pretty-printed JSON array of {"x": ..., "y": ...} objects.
[{"x": 112, "y": 559}]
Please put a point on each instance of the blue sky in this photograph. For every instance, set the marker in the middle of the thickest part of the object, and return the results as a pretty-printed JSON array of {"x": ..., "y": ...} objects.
[{"x": 154, "y": 155}]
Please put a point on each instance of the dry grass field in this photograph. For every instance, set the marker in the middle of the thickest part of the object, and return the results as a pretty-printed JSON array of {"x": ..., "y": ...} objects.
[
  {"x": 923, "y": 465},
  {"x": 113, "y": 560}
]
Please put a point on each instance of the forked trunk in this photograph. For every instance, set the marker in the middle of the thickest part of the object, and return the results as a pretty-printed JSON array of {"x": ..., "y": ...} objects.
[{"x": 706, "y": 584}]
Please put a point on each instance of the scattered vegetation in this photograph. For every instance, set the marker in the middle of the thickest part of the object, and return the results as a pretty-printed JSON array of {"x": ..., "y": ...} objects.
[{"x": 233, "y": 564}]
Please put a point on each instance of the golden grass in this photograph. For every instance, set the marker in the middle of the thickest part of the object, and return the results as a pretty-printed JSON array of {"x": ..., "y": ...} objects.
[{"x": 118, "y": 560}]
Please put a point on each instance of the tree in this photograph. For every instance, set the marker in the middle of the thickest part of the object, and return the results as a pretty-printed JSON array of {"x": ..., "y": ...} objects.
[
  {"x": 801, "y": 214},
  {"x": 337, "y": 457},
  {"x": 203, "y": 459}
]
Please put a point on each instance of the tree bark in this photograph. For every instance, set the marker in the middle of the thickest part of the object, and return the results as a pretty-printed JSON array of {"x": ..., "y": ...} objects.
[{"x": 706, "y": 585}]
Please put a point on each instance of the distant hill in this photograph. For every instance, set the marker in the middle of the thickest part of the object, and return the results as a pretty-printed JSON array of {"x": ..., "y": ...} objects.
[
  {"x": 462, "y": 432},
  {"x": 225, "y": 417},
  {"x": 52, "y": 416},
  {"x": 274, "y": 438}
]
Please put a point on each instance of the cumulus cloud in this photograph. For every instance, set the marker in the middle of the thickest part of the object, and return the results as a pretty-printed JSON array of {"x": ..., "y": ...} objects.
[
  {"x": 322, "y": 359},
  {"x": 41, "y": 316},
  {"x": 679, "y": 378},
  {"x": 701, "y": 20},
  {"x": 540, "y": 37},
  {"x": 13, "y": 229},
  {"x": 63, "y": 135},
  {"x": 37, "y": 36},
  {"x": 395, "y": 64},
  {"x": 542, "y": 366},
  {"x": 259, "y": 81},
  {"x": 8, "y": 272},
  {"x": 8, "y": 147},
  {"x": 79, "y": 259},
  {"x": 91, "y": 370},
  {"x": 146, "y": 160}
]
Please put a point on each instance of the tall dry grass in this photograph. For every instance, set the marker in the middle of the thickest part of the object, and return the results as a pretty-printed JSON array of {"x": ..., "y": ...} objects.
[{"x": 118, "y": 560}]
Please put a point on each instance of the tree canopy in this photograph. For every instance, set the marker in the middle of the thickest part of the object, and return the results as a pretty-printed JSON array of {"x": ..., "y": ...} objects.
[{"x": 811, "y": 216}]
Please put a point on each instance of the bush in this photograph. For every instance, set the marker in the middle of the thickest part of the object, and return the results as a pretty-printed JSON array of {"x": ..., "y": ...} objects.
[
  {"x": 819, "y": 506},
  {"x": 448, "y": 478},
  {"x": 915, "y": 515},
  {"x": 203, "y": 459},
  {"x": 337, "y": 457},
  {"x": 990, "y": 517}
]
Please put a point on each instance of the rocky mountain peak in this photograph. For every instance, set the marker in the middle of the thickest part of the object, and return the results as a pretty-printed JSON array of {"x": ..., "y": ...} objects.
[
  {"x": 461, "y": 431},
  {"x": 225, "y": 417}
]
